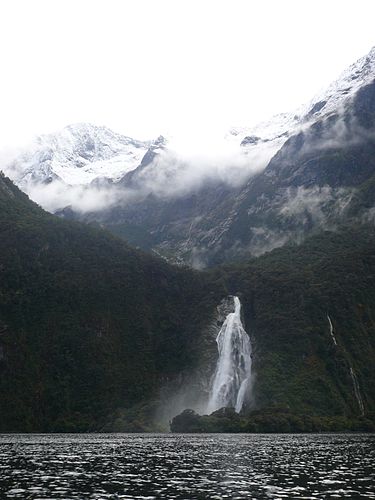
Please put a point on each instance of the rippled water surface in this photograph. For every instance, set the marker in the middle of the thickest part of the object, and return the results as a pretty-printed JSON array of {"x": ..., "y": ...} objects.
[{"x": 187, "y": 466}]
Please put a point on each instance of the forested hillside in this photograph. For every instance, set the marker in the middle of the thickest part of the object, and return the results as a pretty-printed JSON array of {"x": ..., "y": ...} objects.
[
  {"x": 288, "y": 295},
  {"x": 86, "y": 323},
  {"x": 310, "y": 314},
  {"x": 90, "y": 327}
]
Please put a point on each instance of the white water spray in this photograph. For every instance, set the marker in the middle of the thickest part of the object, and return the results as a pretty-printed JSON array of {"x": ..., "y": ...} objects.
[{"x": 233, "y": 370}]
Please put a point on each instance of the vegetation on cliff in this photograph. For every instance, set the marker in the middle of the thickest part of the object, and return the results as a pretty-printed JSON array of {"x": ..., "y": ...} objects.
[
  {"x": 90, "y": 328},
  {"x": 87, "y": 324}
]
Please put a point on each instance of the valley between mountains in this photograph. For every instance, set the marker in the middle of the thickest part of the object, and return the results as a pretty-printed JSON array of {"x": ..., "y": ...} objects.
[{"x": 141, "y": 286}]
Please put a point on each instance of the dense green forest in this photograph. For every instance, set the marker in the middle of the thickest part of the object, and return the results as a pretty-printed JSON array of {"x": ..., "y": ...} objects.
[
  {"x": 91, "y": 329},
  {"x": 87, "y": 324},
  {"x": 287, "y": 296}
]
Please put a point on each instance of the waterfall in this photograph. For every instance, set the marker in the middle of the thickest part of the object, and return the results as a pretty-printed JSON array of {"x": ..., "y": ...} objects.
[
  {"x": 233, "y": 370},
  {"x": 357, "y": 392},
  {"x": 331, "y": 330},
  {"x": 353, "y": 376}
]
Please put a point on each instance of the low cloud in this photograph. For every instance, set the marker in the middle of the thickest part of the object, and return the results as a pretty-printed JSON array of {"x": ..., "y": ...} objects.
[
  {"x": 174, "y": 172},
  {"x": 337, "y": 131},
  {"x": 187, "y": 166},
  {"x": 312, "y": 203},
  {"x": 57, "y": 195}
]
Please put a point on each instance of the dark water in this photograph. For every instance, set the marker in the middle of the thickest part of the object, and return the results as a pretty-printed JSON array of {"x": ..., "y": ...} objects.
[{"x": 187, "y": 466}]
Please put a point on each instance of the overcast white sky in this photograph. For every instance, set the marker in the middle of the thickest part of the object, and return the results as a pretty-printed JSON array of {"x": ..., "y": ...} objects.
[{"x": 146, "y": 68}]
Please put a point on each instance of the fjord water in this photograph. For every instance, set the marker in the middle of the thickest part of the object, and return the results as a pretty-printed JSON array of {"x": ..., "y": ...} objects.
[
  {"x": 168, "y": 466},
  {"x": 233, "y": 370}
]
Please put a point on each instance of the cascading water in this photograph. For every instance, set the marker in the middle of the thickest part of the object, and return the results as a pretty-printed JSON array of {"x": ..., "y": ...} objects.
[
  {"x": 331, "y": 331},
  {"x": 233, "y": 370},
  {"x": 353, "y": 376},
  {"x": 357, "y": 392}
]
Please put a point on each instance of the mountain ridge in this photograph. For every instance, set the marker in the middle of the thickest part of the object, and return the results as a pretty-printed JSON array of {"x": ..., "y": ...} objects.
[
  {"x": 203, "y": 215},
  {"x": 312, "y": 183},
  {"x": 79, "y": 141},
  {"x": 79, "y": 154}
]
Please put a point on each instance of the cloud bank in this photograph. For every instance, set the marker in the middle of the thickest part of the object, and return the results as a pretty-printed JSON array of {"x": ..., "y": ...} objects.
[{"x": 181, "y": 168}]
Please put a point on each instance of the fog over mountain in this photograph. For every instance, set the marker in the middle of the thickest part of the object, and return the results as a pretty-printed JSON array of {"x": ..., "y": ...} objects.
[
  {"x": 187, "y": 245},
  {"x": 205, "y": 202},
  {"x": 97, "y": 336},
  {"x": 84, "y": 162}
]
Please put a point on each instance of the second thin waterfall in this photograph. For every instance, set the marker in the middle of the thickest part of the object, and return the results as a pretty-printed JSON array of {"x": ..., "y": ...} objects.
[{"x": 232, "y": 376}]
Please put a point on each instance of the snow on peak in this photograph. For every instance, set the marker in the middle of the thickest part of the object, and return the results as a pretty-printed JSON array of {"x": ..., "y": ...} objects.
[
  {"x": 78, "y": 154},
  {"x": 271, "y": 134},
  {"x": 83, "y": 153},
  {"x": 358, "y": 74}
]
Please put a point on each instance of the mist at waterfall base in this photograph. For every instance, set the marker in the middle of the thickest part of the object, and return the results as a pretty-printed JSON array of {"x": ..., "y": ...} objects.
[{"x": 224, "y": 383}]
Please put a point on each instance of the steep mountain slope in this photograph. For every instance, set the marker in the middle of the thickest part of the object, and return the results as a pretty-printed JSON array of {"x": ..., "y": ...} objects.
[
  {"x": 313, "y": 183},
  {"x": 87, "y": 324},
  {"x": 83, "y": 152},
  {"x": 290, "y": 297},
  {"x": 321, "y": 160},
  {"x": 309, "y": 311},
  {"x": 317, "y": 162},
  {"x": 329, "y": 100},
  {"x": 91, "y": 330}
]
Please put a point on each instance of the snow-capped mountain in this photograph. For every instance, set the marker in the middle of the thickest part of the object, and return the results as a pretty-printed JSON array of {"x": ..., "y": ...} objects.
[
  {"x": 320, "y": 173},
  {"x": 77, "y": 155},
  {"x": 299, "y": 172},
  {"x": 83, "y": 153},
  {"x": 271, "y": 134}
]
